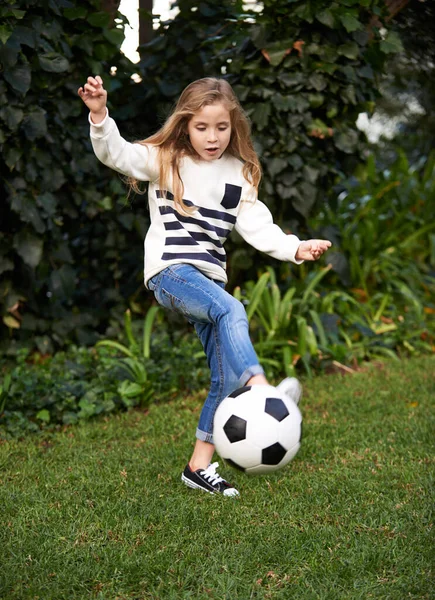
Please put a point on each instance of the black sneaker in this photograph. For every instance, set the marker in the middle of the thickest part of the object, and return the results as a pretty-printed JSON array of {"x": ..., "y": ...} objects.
[{"x": 208, "y": 480}]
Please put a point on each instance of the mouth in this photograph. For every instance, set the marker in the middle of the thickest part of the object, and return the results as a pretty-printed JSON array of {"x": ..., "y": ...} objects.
[{"x": 213, "y": 150}]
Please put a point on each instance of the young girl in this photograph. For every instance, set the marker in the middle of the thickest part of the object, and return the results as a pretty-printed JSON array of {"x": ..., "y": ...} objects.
[{"x": 203, "y": 178}]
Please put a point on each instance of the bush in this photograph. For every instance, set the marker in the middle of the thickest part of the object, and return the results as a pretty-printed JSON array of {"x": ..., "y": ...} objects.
[{"x": 40, "y": 392}]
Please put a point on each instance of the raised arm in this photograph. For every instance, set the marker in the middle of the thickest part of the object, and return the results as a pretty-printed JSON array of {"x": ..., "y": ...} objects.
[
  {"x": 94, "y": 96},
  {"x": 134, "y": 160}
]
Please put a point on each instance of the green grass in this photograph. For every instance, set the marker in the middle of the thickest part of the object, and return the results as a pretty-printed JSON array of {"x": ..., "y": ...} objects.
[{"x": 98, "y": 511}]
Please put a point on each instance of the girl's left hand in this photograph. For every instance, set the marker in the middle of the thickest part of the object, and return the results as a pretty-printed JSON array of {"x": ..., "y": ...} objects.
[{"x": 312, "y": 249}]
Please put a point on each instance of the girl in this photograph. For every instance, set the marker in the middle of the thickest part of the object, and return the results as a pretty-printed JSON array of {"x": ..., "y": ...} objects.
[{"x": 203, "y": 178}]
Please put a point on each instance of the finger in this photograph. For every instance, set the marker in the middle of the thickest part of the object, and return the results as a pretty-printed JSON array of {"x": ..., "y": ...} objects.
[
  {"x": 93, "y": 81},
  {"x": 98, "y": 78}
]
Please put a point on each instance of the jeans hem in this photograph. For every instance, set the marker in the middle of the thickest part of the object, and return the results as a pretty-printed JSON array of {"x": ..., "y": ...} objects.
[
  {"x": 204, "y": 436},
  {"x": 250, "y": 372}
]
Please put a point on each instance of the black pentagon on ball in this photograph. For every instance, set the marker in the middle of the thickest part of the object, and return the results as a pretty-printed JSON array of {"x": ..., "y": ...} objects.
[
  {"x": 276, "y": 408},
  {"x": 273, "y": 454},
  {"x": 235, "y": 429},
  {"x": 239, "y": 391}
]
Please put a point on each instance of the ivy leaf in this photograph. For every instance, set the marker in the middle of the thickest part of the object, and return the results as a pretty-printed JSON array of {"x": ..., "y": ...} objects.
[
  {"x": 12, "y": 156},
  {"x": 318, "y": 82},
  {"x": 12, "y": 116},
  {"x": 29, "y": 247},
  {"x": 304, "y": 198},
  {"x": 53, "y": 62},
  {"x": 349, "y": 50},
  {"x": 350, "y": 22},
  {"x": 391, "y": 44},
  {"x": 276, "y": 165},
  {"x": 28, "y": 212},
  {"x": 260, "y": 115},
  {"x": 326, "y": 18},
  {"x": 346, "y": 141},
  {"x": 63, "y": 282},
  {"x": 76, "y": 12},
  {"x": 19, "y": 78},
  {"x": 25, "y": 35},
  {"x": 5, "y": 33},
  {"x": 35, "y": 124},
  {"x": 99, "y": 19},
  {"x": 114, "y": 36}
]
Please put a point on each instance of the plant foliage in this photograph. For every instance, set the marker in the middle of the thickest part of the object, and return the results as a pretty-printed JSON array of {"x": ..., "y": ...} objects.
[{"x": 70, "y": 246}]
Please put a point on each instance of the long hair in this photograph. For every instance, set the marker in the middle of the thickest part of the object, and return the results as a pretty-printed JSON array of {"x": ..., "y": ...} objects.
[{"x": 173, "y": 142}]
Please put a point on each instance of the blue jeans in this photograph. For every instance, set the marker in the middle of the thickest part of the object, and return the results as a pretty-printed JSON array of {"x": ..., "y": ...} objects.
[{"x": 222, "y": 326}]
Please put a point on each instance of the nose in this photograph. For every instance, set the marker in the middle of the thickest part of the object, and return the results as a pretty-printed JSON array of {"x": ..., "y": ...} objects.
[{"x": 212, "y": 135}]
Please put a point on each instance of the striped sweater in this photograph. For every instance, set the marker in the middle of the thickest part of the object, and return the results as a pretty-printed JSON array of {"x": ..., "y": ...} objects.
[{"x": 217, "y": 189}]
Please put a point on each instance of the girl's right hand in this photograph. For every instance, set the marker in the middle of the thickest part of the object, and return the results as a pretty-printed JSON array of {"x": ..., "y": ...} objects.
[{"x": 95, "y": 97}]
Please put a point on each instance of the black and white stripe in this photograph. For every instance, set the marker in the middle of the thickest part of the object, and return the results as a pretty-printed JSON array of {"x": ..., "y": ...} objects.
[{"x": 194, "y": 238}]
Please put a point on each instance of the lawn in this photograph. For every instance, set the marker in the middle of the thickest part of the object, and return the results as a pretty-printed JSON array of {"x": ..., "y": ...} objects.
[{"x": 98, "y": 510}]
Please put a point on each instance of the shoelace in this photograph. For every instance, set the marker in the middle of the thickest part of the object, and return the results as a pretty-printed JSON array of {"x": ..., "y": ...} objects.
[{"x": 210, "y": 473}]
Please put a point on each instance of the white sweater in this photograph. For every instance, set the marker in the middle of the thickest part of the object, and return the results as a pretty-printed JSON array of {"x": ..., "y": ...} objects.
[{"x": 221, "y": 195}]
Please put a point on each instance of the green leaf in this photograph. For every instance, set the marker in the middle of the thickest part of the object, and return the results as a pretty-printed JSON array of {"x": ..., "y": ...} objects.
[
  {"x": 12, "y": 116},
  {"x": 276, "y": 165},
  {"x": 19, "y": 78},
  {"x": 29, "y": 247},
  {"x": 116, "y": 346},
  {"x": 11, "y": 322},
  {"x": 350, "y": 22},
  {"x": 63, "y": 281},
  {"x": 114, "y": 36},
  {"x": 25, "y": 36},
  {"x": 25, "y": 206},
  {"x": 18, "y": 14},
  {"x": 12, "y": 156},
  {"x": 326, "y": 17},
  {"x": 5, "y": 33},
  {"x": 349, "y": 50},
  {"x": 291, "y": 79},
  {"x": 99, "y": 19},
  {"x": 35, "y": 124},
  {"x": 346, "y": 141},
  {"x": 43, "y": 415},
  {"x": 148, "y": 324},
  {"x": 76, "y": 12},
  {"x": 53, "y": 62},
  {"x": 316, "y": 100},
  {"x": 391, "y": 44},
  {"x": 260, "y": 115},
  {"x": 317, "y": 81}
]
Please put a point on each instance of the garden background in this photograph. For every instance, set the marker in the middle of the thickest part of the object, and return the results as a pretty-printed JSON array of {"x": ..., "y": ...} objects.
[{"x": 100, "y": 391}]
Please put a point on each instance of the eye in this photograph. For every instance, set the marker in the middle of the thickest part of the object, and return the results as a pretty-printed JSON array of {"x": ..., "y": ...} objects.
[
  {"x": 224, "y": 128},
  {"x": 200, "y": 128}
]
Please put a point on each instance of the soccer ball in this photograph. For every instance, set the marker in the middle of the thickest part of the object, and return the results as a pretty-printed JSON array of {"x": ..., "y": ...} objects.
[{"x": 257, "y": 429}]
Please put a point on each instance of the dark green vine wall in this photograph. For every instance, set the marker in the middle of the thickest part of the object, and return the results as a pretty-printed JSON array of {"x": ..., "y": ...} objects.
[{"x": 70, "y": 242}]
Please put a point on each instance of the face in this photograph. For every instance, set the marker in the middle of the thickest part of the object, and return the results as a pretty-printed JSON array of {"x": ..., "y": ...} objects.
[{"x": 210, "y": 131}]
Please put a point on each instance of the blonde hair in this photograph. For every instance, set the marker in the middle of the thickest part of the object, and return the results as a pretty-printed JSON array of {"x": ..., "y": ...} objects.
[{"x": 173, "y": 141}]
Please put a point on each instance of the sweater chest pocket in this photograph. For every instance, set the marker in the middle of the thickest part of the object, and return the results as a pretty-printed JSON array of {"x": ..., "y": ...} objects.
[{"x": 232, "y": 196}]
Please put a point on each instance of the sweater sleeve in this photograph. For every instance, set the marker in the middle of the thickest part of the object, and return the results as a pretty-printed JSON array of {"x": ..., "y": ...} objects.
[
  {"x": 134, "y": 160},
  {"x": 255, "y": 225}
]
